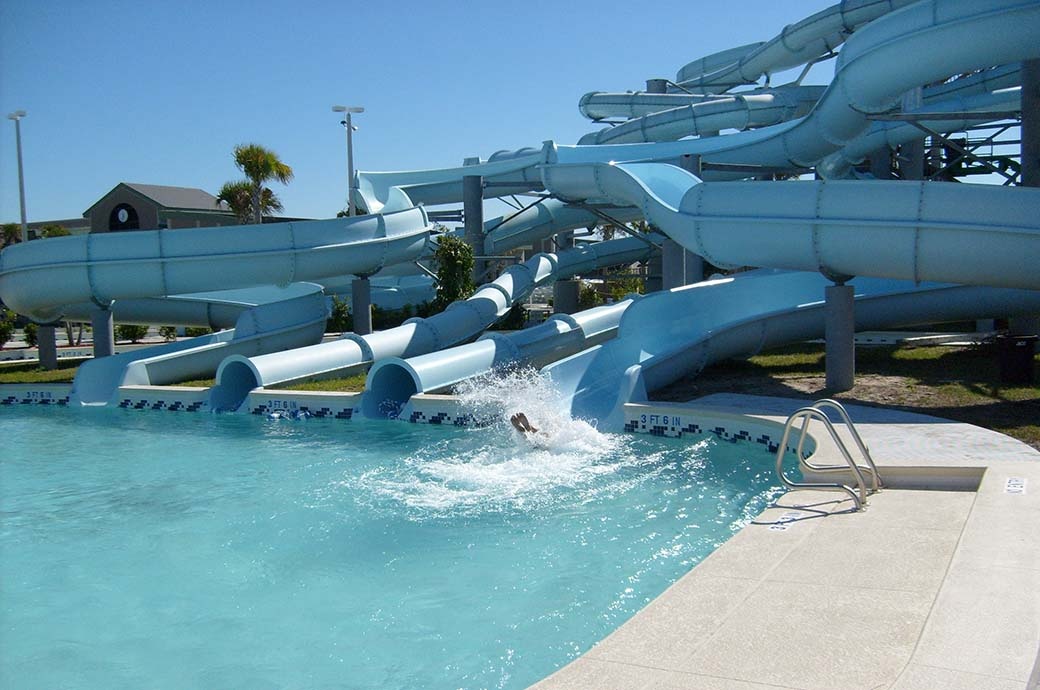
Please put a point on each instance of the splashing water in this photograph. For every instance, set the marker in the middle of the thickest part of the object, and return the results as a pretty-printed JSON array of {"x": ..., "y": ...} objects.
[{"x": 495, "y": 468}]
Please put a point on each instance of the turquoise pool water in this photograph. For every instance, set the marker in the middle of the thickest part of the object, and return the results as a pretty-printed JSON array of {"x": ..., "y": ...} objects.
[{"x": 176, "y": 550}]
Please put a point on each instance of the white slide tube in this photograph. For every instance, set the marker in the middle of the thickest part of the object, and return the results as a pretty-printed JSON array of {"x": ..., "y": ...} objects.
[
  {"x": 461, "y": 321},
  {"x": 392, "y": 382},
  {"x": 38, "y": 278}
]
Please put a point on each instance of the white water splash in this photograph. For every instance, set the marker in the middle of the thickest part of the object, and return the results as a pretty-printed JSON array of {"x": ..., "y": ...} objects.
[{"x": 494, "y": 467}]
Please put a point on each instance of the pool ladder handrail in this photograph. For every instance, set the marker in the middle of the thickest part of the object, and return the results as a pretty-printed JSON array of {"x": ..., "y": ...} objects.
[{"x": 817, "y": 411}]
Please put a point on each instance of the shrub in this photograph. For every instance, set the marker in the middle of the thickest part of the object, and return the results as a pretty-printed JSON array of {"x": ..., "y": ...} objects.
[
  {"x": 168, "y": 333},
  {"x": 194, "y": 332},
  {"x": 6, "y": 325},
  {"x": 454, "y": 270},
  {"x": 30, "y": 330},
  {"x": 340, "y": 319},
  {"x": 130, "y": 331}
]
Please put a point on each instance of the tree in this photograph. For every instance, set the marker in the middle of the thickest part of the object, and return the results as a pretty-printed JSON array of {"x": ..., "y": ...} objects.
[
  {"x": 239, "y": 198},
  {"x": 7, "y": 325},
  {"x": 11, "y": 234},
  {"x": 454, "y": 270},
  {"x": 260, "y": 166}
]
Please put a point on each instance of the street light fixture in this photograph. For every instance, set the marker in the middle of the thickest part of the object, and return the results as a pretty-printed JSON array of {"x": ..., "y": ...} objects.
[
  {"x": 348, "y": 125},
  {"x": 17, "y": 117}
]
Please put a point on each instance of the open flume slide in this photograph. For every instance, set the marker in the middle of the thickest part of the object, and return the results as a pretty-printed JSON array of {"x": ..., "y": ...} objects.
[
  {"x": 671, "y": 334},
  {"x": 462, "y": 320},
  {"x": 269, "y": 319}
]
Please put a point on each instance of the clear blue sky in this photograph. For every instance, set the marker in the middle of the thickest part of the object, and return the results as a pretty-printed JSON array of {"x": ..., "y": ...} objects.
[{"x": 160, "y": 92}]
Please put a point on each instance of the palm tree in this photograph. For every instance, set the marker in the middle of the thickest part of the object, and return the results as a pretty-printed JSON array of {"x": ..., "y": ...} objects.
[
  {"x": 260, "y": 166},
  {"x": 238, "y": 196}
]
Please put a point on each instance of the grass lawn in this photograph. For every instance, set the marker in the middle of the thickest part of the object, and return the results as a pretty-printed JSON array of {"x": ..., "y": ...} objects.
[
  {"x": 959, "y": 383},
  {"x": 30, "y": 372}
]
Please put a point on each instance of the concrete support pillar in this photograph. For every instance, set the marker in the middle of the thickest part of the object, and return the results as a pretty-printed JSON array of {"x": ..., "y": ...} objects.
[
  {"x": 840, "y": 332},
  {"x": 47, "y": 347},
  {"x": 679, "y": 266},
  {"x": 104, "y": 332},
  {"x": 912, "y": 162},
  {"x": 361, "y": 305},
  {"x": 565, "y": 296},
  {"x": 657, "y": 86},
  {"x": 473, "y": 220}
]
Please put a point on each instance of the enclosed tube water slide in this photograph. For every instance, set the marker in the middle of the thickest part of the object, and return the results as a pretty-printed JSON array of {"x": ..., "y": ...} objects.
[
  {"x": 50, "y": 278},
  {"x": 462, "y": 320}
]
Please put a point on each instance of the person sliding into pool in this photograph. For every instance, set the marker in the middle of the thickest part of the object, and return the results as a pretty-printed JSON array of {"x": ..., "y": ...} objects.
[{"x": 522, "y": 424}]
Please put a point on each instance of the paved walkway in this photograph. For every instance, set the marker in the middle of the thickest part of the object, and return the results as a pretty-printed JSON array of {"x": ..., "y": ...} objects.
[{"x": 924, "y": 590}]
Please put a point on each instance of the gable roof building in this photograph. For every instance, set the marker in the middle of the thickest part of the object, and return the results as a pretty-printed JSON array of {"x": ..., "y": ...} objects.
[{"x": 135, "y": 206}]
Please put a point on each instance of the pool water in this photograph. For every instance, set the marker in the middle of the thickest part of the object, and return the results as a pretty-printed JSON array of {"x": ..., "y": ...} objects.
[{"x": 160, "y": 550}]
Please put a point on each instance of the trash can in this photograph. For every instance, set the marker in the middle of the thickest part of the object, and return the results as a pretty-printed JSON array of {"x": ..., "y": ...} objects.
[{"x": 1015, "y": 353}]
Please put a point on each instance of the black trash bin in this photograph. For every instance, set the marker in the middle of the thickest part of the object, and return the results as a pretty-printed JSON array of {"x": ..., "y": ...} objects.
[{"x": 1015, "y": 353}]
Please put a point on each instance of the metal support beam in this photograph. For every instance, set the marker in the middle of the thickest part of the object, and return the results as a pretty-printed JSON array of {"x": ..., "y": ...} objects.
[
  {"x": 361, "y": 305},
  {"x": 839, "y": 333},
  {"x": 101, "y": 324}
]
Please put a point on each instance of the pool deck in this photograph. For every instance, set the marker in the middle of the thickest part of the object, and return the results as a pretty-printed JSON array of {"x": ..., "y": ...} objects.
[{"x": 923, "y": 590}]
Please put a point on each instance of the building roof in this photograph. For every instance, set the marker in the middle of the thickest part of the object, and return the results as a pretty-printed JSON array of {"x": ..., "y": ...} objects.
[{"x": 186, "y": 198}]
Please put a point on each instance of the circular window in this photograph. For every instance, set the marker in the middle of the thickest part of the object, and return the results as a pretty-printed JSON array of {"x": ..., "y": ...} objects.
[{"x": 123, "y": 217}]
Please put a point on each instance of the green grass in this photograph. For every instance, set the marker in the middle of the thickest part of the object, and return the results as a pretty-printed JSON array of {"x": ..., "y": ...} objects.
[
  {"x": 959, "y": 383},
  {"x": 30, "y": 372},
  {"x": 348, "y": 384}
]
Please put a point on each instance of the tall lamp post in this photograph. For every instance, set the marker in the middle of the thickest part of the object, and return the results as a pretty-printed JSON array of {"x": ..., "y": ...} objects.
[
  {"x": 348, "y": 111},
  {"x": 17, "y": 117}
]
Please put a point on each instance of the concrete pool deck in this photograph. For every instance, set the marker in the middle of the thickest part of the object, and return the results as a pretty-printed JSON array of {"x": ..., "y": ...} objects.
[{"x": 924, "y": 590}]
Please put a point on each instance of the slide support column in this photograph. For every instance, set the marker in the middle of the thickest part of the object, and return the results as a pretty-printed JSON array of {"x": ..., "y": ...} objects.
[
  {"x": 473, "y": 221},
  {"x": 47, "y": 347},
  {"x": 101, "y": 323},
  {"x": 361, "y": 305},
  {"x": 840, "y": 333}
]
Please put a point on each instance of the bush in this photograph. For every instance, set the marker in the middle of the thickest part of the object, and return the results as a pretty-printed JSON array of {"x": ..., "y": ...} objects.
[
  {"x": 6, "y": 325},
  {"x": 340, "y": 319},
  {"x": 168, "y": 333},
  {"x": 454, "y": 270},
  {"x": 30, "y": 331},
  {"x": 130, "y": 331},
  {"x": 514, "y": 320},
  {"x": 194, "y": 332}
]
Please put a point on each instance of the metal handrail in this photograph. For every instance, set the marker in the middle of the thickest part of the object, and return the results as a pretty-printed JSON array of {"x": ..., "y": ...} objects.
[
  {"x": 871, "y": 468},
  {"x": 814, "y": 411}
]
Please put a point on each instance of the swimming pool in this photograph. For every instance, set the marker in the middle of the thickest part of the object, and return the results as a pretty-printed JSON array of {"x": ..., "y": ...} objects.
[{"x": 168, "y": 550}]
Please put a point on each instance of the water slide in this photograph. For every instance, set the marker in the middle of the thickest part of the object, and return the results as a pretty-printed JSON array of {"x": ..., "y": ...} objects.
[
  {"x": 740, "y": 316},
  {"x": 47, "y": 279},
  {"x": 462, "y": 320},
  {"x": 911, "y": 232}
]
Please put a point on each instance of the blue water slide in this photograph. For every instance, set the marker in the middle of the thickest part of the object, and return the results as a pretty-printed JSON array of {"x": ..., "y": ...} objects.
[
  {"x": 461, "y": 321},
  {"x": 666, "y": 336},
  {"x": 48, "y": 279}
]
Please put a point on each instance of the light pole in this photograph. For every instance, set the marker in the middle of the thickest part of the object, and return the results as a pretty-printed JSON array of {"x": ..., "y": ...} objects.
[
  {"x": 17, "y": 117},
  {"x": 348, "y": 111}
]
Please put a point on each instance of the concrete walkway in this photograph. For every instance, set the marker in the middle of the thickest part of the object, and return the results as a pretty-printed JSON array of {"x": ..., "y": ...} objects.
[{"x": 924, "y": 590}]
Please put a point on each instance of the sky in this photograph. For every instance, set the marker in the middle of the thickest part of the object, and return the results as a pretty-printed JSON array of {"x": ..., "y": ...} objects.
[{"x": 161, "y": 92}]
